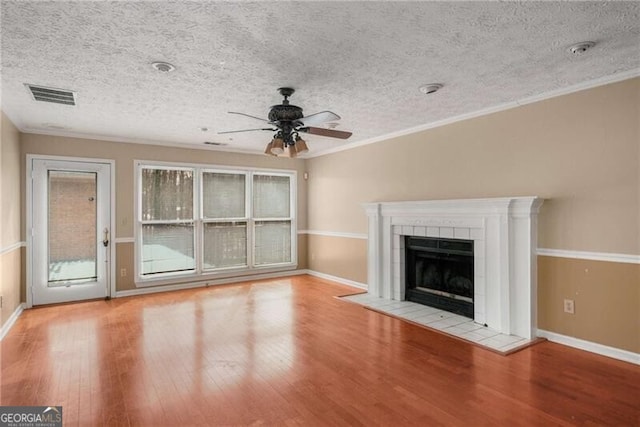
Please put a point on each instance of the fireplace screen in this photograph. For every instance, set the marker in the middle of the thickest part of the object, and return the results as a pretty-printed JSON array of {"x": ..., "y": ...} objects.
[{"x": 439, "y": 273}]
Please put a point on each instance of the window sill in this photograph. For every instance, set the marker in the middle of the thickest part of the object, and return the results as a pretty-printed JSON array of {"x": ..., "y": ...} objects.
[{"x": 211, "y": 276}]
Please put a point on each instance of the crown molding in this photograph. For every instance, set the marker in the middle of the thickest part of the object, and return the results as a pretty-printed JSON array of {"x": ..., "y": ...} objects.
[{"x": 614, "y": 78}]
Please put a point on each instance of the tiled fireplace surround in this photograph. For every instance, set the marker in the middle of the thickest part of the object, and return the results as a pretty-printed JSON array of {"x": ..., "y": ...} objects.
[{"x": 504, "y": 233}]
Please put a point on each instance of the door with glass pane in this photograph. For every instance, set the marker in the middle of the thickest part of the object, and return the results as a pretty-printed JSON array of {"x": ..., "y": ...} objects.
[{"x": 71, "y": 230}]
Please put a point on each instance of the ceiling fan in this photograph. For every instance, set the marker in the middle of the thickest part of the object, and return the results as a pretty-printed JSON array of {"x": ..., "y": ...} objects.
[{"x": 287, "y": 121}]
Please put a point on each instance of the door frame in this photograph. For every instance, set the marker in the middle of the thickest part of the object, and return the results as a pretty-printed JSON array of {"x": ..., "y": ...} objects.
[{"x": 111, "y": 254}]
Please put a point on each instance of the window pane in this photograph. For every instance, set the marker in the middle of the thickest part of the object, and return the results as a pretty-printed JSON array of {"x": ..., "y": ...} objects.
[
  {"x": 72, "y": 227},
  {"x": 272, "y": 242},
  {"x": 225, "y": 244},
  {"x": 223, "y": 195},
  {"x": 271, "y": 198},
  {"x": 167, "y": 248},
  {"x": 167, "y": 194}
]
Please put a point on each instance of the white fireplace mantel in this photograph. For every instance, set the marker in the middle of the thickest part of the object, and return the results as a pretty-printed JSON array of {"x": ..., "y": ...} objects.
[{"x": 504, "y": 232}]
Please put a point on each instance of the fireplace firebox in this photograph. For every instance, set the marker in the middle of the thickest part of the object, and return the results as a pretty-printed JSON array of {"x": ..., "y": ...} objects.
[{"x": 439, "y": 273}]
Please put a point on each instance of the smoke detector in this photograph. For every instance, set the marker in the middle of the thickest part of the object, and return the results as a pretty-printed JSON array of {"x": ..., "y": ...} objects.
[
  {"x": 580, "y": 48},
  {"x": 163, "y": 67},
  {"x": 430, "y": 88}
]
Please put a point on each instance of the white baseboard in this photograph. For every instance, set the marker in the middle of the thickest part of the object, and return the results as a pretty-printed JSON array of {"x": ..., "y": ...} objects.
[
  {"x": 593, "y": 347},
  {"x": 204, "y": 283},
  {"x": 337, "y": 279},
  {"x": 11, "y": 321}
]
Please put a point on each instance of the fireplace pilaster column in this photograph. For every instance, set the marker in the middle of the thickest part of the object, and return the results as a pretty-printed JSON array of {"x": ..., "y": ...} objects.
[{"x": 374, "y": 248}]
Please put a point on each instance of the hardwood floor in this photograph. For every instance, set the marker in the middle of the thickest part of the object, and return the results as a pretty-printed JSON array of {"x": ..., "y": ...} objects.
[{"x": 286, "y": 352}]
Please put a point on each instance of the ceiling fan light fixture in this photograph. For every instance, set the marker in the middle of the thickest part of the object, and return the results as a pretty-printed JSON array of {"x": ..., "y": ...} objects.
[
  {"x": 301, "y": 146},
  {"x": 287, "y": 121},
  {"x": 277, "y": 146},
  {"x": 267, "y": 150},
  {"x": 291, "y": 151}
]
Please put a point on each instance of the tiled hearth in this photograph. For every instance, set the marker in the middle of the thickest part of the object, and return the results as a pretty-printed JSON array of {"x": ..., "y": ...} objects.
[{"x": 443, "y": 321}]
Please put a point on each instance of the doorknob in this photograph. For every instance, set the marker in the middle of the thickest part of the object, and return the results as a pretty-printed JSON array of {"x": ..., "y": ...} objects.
[{"x": 105, "y": 237}]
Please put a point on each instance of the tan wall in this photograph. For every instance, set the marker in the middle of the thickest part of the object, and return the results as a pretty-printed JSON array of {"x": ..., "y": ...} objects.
[
  {"x": 340, "y": 257},
  {"x": 302, "y": 252},
  {"x": 125, "y": 259},
  {"x": 606, "y": 296},
  {"x": 10, "y": 278},
  {"x": 124, "y": 155},
  {"x": 10, "y": 260},
  {"x": 581, "y": 152},
  {"x": 10, "y": 188}
]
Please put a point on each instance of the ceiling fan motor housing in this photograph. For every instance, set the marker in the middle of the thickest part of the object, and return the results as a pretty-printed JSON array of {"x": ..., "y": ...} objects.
[{"x": 285, "y": 113}]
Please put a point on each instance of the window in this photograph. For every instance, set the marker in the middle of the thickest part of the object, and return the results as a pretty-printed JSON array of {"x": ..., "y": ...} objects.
[
  {"x": 272, "y": 219},
  {"x": 225, "y": 219},
  {"x": 199, "y": 220},
  {"x": 167, "y": 221}
]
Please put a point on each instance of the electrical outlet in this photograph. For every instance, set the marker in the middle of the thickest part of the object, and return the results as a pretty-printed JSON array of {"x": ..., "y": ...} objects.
[
  {"x": 123, "y": 272},
  {"x": 569, "y": 306}
]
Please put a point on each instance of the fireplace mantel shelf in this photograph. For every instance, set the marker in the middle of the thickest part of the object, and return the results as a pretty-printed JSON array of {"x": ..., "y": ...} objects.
[{"x": 504, "y": 232}]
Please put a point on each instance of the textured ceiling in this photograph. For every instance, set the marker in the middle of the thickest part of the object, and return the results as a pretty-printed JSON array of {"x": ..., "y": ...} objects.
[{"x": 361, "y": 60}]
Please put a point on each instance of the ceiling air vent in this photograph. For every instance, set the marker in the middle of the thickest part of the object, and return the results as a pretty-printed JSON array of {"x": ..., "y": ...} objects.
[{"x": 48, "y": 94}]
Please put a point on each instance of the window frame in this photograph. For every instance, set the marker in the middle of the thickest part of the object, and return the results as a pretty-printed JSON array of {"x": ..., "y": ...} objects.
[
  {"x": 140, "y": 223},
  {"x": 291, "y": 217},
  {"x": 203, "y": 220},
  {"x": 198, "y": 219}
]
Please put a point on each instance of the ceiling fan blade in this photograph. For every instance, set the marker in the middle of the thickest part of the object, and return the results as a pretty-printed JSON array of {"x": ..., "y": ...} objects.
[
  {"x": 246, "y": 130},
  {"x": 318, "y": 118},
  {"x": 249, "y": 115},
  {"x": 332, "y": 133}
]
